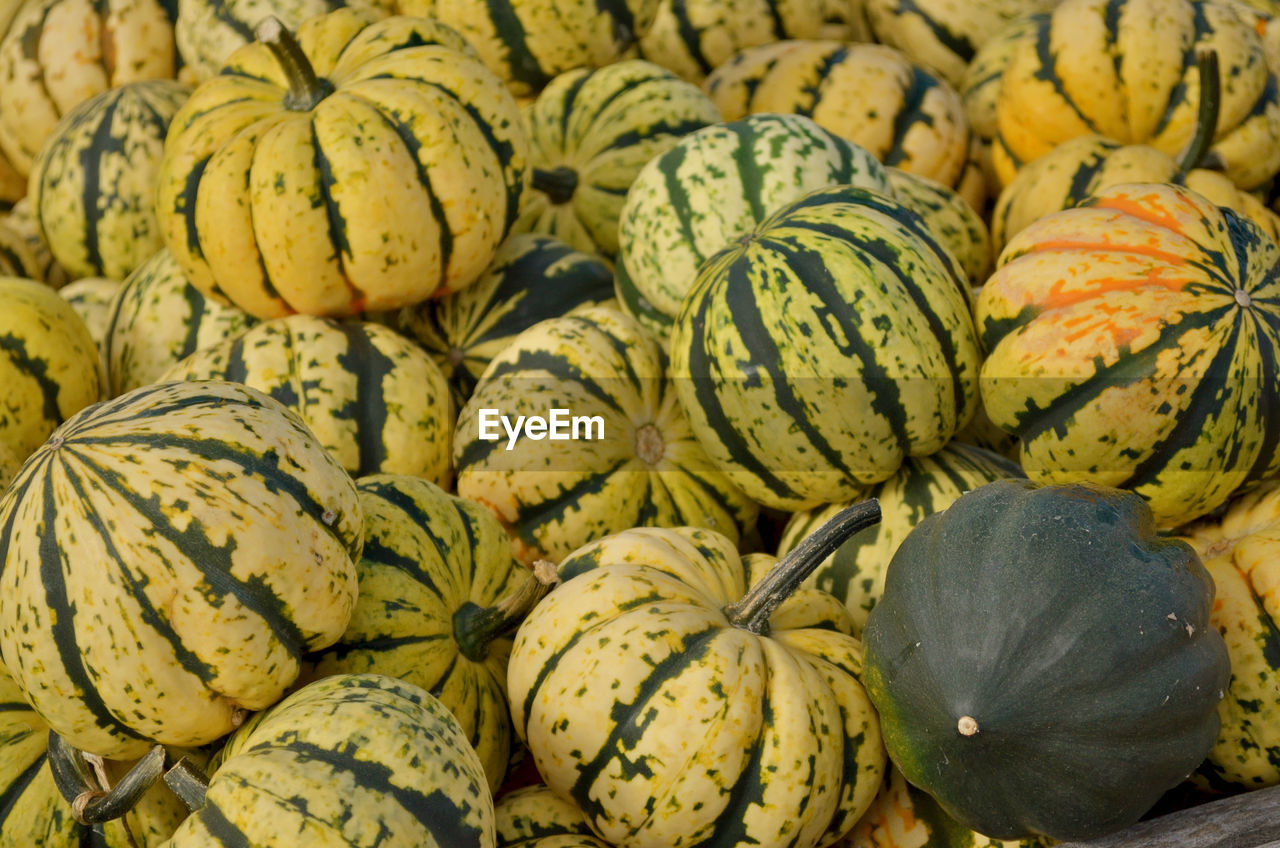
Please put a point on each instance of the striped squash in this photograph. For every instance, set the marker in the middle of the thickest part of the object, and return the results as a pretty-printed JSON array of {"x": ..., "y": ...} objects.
[
  {"x": 637, "y": 465},
  {"x": 170, "y": 555},
  {"x": 92, "y": 186},
  {"x": 389, "y": 162},
  {"x": 376, "y": 401},
  {"x": 817, "y": 354},
  {"x": 1132, "y": 342},
  {"x": 717, "y": 185},
  {"x": 590, "y": 133},
  {"x": 535, "y": 817},
  {"x": 951, "y": 219},
  {"x": 59, "y": 53},
  {"x": 22, "y": 220},
  {"x": 660, "y": 691},
  {"x": 48, "y": 367},
  {"x": 17, "y": 258},
  {"x": 532, "y": 278},
  {"x": 439, "y": 599},
  {"x": 922, "y": 486},
  {"x": 13, "y": 185},
  {"x": 1126, "y": 70},
  {"x": 92, "y": 299},
  {"x": 358, "y": 760},
  {"x": 870, "y": 94}
]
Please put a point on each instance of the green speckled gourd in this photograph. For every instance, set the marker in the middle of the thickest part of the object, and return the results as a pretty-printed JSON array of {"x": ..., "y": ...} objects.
[
  {"x": 92, "y": 298},
  {"x": 951, "y": 219},
  {"x": 535, "y": 817},
  {"x": 22, "y": 220}
]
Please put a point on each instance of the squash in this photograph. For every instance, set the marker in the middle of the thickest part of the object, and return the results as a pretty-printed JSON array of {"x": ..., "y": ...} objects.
[
  {"x": 590, "y": 133},
  {"x": 953, "y": 220},
  {"x": 91, "y": 298},
  {"x": 1132, "y": 342},
  {"x": 376, "y": 401},
  {"x": 439, "y": 599},
  {"x": 922, "y": 486},
  {"x": 535, "y": 817},
  {"x": 169, "y": 556},
  {"x": 57, "y": 54},
  {"x": 1127, "y": 70},
  {"x": 680, "y": 694},
  {"x": 1057, "y": 673},
  {"x": 388, "y": 161},
  {"x": 1239, "y": 548},
  {"x": 92, "y": 186},
  {"x": 22, "y": 220},
  {"x": 17, "y": 257},
  {"x": 629, "y": 459},
  {"x": 358, "y": 760},
  {"x": 13, "y": 185},
  {"x": 817, "y": 353}
]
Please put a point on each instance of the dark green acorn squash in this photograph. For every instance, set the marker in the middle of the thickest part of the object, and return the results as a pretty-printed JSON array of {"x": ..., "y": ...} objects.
[{"x": 1042, "y": 662}]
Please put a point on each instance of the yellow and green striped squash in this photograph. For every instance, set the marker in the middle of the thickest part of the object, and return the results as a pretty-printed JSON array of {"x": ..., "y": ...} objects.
[
  {"x": 158, "y": 319},
  {"x": 13, "y": 185},
  {"x": 389, "y": 176},
  {"x": 714, "y": 186},
  {"x": 92, "y": 186},
  {"x": 1126, "y": 69},
  {"x": 1241, "y": 550},
  {"x": 22, "y": 220},
  {"x": 17, "y": 257},
  {"x": 48, "y": 366},
  {"x": 59, "y": 53},
  {"x": 92, "y": 299},
  {"x": 922, "y": 486},
  {"x": 590, "y": 133},
  {"x": 376, "y": 401},
  {"x": 532, "y": 278},
  {"x": 952, "y": 219},
  {"x": 870, "y": 94},
  {"x": 169, "y": 557},
  {"x": 637, "y": 465},
  {"x": 535, "y": 817},
  {"x": 439, "y": 599},
  {"x": 1132, "y": 342},
  {"x": 354, "y": 760},
  {"x": 670, "y": 717},
  {"x": 817, "y": 354}
]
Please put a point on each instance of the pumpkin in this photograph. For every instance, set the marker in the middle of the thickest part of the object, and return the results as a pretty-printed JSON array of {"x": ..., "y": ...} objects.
[
  {"x": 22, "y": 220},
  {"x": 715, "y": 186},
  {"x": 535, "y": 817},
  {"x": 169, "y": 556},
  {"x": 358, "y": 760},
  {"x": 591, "y": 130},
  {"x": 1058, "y": 672},
  {"x": 388, "y": 160},
  {"x": 1132, "y": 342},
  {"x": 680, "y": 694},
  {"x": 92, "y": 185},
  {"x": 1239, "y": 550},
  {"x": 439, "y": 599},
  {"x": 870, "y": 94},
  {"x": 922, "y": 486},
  {"x": 57, "y": 54},
  {"x": 819, "y": 352},
  {"x": 626, "y": 455},
  {"x": 376, "y": 401},
  {"x": 1067, "y": 81}
]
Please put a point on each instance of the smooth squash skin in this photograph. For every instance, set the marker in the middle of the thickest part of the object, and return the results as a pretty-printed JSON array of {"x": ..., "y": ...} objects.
[
  {"x": 1042, "y": 662},
  {"x": 535, "y": 817}
]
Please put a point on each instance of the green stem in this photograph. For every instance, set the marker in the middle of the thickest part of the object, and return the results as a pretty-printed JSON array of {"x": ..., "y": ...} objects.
[
  {"x": 91, "y": 802},
  {"x": 475, "y": 627},
  {"x": 558, "y": 184},
  {"x": 305, "y": 88},
  {"x": 188, "y": 782},
  {"x": 1210, "y": 106},
  {"x": 754, "y": 610}
]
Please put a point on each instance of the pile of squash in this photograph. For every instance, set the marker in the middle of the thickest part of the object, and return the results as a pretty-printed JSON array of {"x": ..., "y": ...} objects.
[{"x": 919, "y": 477}]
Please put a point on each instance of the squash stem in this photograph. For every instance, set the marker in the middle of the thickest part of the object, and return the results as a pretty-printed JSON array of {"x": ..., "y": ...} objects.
[
  {"x": 305, "y": 88},
  {"x": 1210, "y": 106},
  {"x": 92, "y": 802},
  {"x": 558, "y": 184},
  {"x": 188, "y": 782},
  {"x": 754, "y": 610},
  {"x": 475, "y": 627}
]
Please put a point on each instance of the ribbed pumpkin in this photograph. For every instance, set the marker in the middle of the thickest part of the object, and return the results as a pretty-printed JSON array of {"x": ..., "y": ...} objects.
[
  {"x": 590, "y": 133},
  {"x": 92, "y": 187},
  {"x": 820, "y": 351},
  {"x": 1241, "y": 550},
  {"x": 359, "y": 760},
  {"x": 59, "y": 53},
  {"x": 638, "y": 465},
  {"x": 1126, "y": 70},
  {"x": 440, "y": 597},
  {"x": 376, "y": 401},
  {"x": 1132, "y": 342},
  {"x": 922, "y": 486},
  {"x": 682, "y": 695},
  {"x": 169, "y": 556},
  {"x": 532, "y": 278},
  {"x": 717, "y": 185},
  {"x": 364, "y": 166},
  {"x": 535, "y": 817},
  {"x": 870, "y": 94}
]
